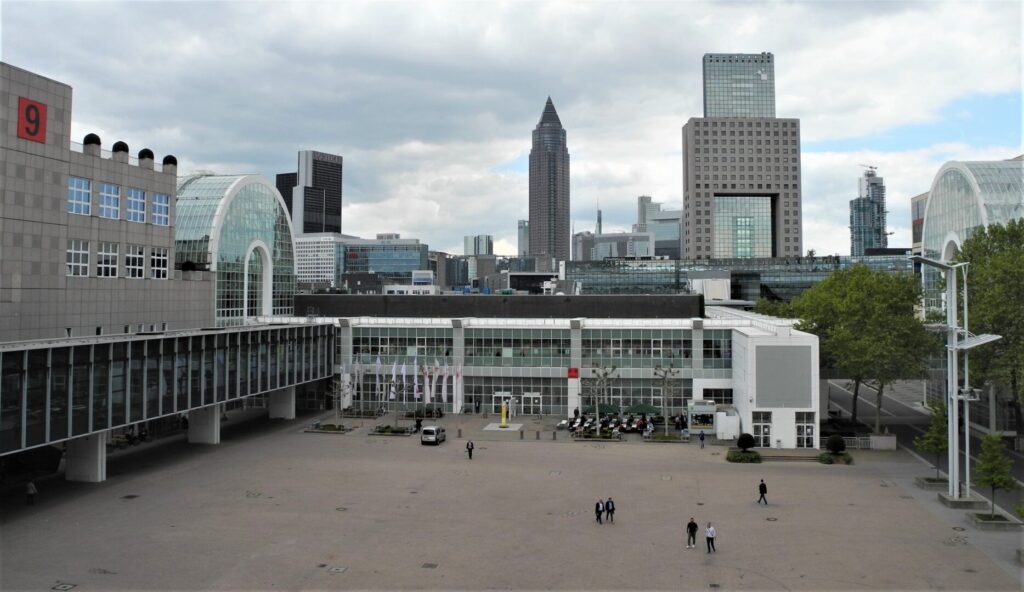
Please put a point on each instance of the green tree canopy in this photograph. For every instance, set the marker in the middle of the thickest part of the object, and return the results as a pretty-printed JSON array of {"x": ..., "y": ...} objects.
[
  {"x": 866, "y": 322},
  {"x": 994, "y": 468},
  {"x": 995, "y": 282},
  {"x": 936, "y": 439}
]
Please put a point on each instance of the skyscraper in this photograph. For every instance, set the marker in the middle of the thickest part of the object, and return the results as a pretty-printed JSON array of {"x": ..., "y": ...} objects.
[
  {"x": 867, "y": 215},
  {"x": 524, "y": 238},
  {"x": 741, "y": 166},
  {"x": 313, "y": 194},
  {"x": 549, "y": 189},
  {"x": 739, "y": 85},
  {"x": 481, "y": 244}
]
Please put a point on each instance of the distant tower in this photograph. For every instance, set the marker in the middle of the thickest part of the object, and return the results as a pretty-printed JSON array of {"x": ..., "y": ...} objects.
[
  {"x": 867, "y": 214},
  {"x": 598, "y": 221},
  {"x": 524, "y": 238},
  {"x": 549, "y": 188},
  {"x": 313, "y": 194}
]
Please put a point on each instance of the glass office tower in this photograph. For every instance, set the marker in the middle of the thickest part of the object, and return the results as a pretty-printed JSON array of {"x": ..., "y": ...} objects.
[{"x": 739, "y": 85}]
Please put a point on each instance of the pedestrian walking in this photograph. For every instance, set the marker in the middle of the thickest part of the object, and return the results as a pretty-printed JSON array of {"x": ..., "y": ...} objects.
[
  {"x": 599, "y": 510},
  {"x": 691, "y": 533},
  {"x": 709, "y": 536},
  {"x": 702, "y": 439},
  {"x": 469, "y": 449},
  {"x": 609, "y": 510},
  {"x": 30, "y": 493},
  {"x": 763, "y": 489}
]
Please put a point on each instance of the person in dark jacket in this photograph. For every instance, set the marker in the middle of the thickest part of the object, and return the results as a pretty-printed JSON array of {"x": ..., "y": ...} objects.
[
  {"x": 609, "y": 510},
  {"x": 691, "y": 533},
  {"x": 763, "y": 490},
  {"x": 599, "y": 510},
  {"x": 469, "y": 449}
]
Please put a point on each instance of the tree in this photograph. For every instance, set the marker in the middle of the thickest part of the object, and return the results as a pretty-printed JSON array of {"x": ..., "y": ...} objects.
[
  {"x": 811, "y": 252},
  {"x": 996, "y": 279},
  {"x": 866, "y": 322},
  {"x": 994, "y": 468},
  {"x": 774, "y": 308},
  {"x": 745, "y": 442},
  {"x": 936, "y": 439}
]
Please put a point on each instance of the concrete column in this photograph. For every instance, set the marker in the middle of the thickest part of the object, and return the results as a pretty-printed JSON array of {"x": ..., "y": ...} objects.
[
  {"x": 204, "y": 425},
  {"x": 87, "y": 459},
  {"x": 282, "y": 403},
  {"x": 574, "y": 396}
]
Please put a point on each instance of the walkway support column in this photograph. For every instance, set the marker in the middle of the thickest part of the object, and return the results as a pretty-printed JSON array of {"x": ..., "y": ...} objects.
[
  {"x": 282, "y": 403},
  {"x": 87, "y": 459},
  {"x": 204, "y": 425}
]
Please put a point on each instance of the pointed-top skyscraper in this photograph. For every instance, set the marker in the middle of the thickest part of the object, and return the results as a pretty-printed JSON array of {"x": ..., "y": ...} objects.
[{"x": 549, "y": 189}]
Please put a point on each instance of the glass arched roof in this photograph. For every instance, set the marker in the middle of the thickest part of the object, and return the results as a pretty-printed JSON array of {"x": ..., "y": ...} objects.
[{"x": 219, "y": 221}]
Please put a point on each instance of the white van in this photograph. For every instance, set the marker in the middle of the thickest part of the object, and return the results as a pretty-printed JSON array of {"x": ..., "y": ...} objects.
[{"x": 432, "y": 435}]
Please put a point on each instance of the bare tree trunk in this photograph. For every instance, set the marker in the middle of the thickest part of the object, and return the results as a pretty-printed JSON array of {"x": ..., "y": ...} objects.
[
  {"x": 878, "y": 408},
  {"x": 856, "y": 391}
]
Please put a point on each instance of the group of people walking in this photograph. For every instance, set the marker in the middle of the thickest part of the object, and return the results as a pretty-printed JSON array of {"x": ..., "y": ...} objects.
[
  {"x": 605, "y": 508},
  {"x": 709, "y": 535}
]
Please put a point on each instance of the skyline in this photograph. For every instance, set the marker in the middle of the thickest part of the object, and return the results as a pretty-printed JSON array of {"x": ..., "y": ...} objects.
[{"x": 436, "y": 142}]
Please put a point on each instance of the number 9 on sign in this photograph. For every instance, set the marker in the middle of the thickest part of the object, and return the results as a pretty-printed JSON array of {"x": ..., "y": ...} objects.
[{"x": 31, "y": 120}]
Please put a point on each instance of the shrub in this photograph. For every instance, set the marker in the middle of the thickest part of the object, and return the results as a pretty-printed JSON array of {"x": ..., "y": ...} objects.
[
  {"x": 827, "y": 458},
  {"x": 743, "y": 456},
  {"x": 745, "y": 442},
  {"x": 836, "y": 444}
]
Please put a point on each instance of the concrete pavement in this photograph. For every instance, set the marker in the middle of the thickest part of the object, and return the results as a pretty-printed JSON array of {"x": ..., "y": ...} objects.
[{"x": 276, "y": 508}]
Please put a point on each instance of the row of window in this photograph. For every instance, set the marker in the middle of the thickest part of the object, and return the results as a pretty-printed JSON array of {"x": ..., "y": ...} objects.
[
  {"x": 784, "y": 124},
  {"x": 108, "y": 260},
  {"x": 80, "y": 202}
]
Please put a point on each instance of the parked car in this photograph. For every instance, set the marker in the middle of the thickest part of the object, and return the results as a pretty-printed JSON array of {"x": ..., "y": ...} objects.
[{"x": 432, "y": 435}]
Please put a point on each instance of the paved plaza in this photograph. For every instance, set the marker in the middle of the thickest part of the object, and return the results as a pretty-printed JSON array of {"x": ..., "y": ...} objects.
[{"x": 275, "y": 508}]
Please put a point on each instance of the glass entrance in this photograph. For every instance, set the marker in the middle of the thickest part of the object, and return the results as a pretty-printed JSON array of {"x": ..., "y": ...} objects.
[
  {"x": 500, "y": 397},
  {"x": 531, "y": 404}
]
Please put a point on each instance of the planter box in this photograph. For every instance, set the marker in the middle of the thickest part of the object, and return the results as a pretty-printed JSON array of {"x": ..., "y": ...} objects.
[
  {"x": 376, "y": 433},
  {"x": 928, "y": 484},
  {"x": 312, "y": 431},
  {"x": 971, "y": 503},
  {"x": 976, "y": 519}
]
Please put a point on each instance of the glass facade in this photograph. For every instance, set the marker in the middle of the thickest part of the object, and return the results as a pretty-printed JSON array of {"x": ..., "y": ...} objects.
[
  {"x": 739, "y": 85},
  {"x": 637, "y": 348},
  {"x": 964, "y": 197},
  {"x": 393, "y": 260},
  {"x": 49, "y": 394},
  {"x": 518, "y": 347},
  {"x": 742, "y": 226},
  {"x": 237, "y": 227}
]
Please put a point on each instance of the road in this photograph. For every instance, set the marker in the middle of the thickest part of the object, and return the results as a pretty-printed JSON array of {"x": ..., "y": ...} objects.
[{"x": 908, "y": 423}]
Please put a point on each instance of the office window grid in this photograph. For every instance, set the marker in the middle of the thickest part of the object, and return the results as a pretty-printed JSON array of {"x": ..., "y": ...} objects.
[
  {"x": 79, "y": 196},
  {"x": 135, "y": 262},
  {"x": 718, "y": 348},
  {"x": 637, "y": 348},
  {"x": 110, "y": 201},
  {"x": 78, "y": 258},
  {"x": 158, "y": 263},
  {"x": 106, "y": 259},
  {"x": 518, "y": 347},
  {"x": 135, "y": 210},
  {"x": 742, "y": 226},
  {"x": 400, "y": 345},
  {"x": 161, "y": 209}
]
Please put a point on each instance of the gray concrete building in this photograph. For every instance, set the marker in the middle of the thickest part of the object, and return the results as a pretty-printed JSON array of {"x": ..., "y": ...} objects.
[
  {"x": 87, "y": 242},
  {"x": 741, "y": 175},
  {"x": 665, "y": 226},
  {"x": 549, "y": 189},
  {"x": 480, "y": 244}
]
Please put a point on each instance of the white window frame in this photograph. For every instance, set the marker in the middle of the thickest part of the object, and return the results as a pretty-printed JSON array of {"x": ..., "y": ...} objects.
[
  {"x": 158, "y": 257},
  {"x": 161, "y": 209},
  {"x": 79, "y": 196},
  {"x": 136, "y": 208},
  {"x": 105, "y": 267},
  {"x": 135, "y": 262},
  {"x": 110, "y": 201},
  {"x": 77, "y": 258}
]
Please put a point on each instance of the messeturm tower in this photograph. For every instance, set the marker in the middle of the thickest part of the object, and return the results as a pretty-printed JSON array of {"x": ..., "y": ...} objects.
[{"x": 549, "y": 188}]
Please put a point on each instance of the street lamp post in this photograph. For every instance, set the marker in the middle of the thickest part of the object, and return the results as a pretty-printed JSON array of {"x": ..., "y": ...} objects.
[
  {"x": 954, "y": 394},
  {"x": 665, "y": 374}
]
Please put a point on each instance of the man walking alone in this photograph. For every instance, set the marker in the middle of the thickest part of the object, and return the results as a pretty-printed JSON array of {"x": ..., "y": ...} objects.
[
  {"x": 469, "y": 449},
  {"x": 691, "y": 533},
  {"x": 709, "y": 536},
  {"x": 763, "y": 489}
]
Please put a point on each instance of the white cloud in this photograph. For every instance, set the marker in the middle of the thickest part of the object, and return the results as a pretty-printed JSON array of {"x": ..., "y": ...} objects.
[{"x": 427, "y": 101}]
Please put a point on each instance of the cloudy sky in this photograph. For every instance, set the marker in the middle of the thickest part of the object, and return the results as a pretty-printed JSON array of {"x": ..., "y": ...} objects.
[{"x": 432, "y": 103}]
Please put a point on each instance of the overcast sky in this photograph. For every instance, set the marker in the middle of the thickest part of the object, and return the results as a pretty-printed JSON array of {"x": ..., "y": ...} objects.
[{"x": 432, "y": 103}]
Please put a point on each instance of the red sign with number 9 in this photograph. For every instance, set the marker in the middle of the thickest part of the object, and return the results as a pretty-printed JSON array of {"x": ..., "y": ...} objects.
[{"x": 31, "y": 120}]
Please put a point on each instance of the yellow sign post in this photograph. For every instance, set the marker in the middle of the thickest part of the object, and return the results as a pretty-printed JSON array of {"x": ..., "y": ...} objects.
[{"x": 504, "y": 414}]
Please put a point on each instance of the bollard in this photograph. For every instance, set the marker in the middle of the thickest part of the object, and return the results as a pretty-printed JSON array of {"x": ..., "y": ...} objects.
[
  {"x": 521, "y": 434},
  {"x": 538, "y": 434},
  {"x": 460, "y": 432},
  {"x": 554, "y": 435}
]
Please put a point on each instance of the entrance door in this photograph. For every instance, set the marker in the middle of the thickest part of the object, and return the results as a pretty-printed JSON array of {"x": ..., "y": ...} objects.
[
  {"x": 499, "y": 398},
  {"x": 531, "y": 404}
]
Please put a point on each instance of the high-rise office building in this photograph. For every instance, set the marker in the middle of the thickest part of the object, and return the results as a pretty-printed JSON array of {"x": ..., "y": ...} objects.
[
  {"x": 549, "y": 188},
  {"x": 741, "y": 167},
  {"x": 481, "y": 244},
  {"x": 524, "y": 238},
  {"x": 313, "y": 194},
  {"x": 867, "y": 215},
  {"x": 739, "y": 85},
  {"x": 665, "y": 226},
  {"x": 918, "y": 205}
]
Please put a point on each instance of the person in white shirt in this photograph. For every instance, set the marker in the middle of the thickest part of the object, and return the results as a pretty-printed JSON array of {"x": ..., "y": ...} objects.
[{"x": 709, "y": 536}]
